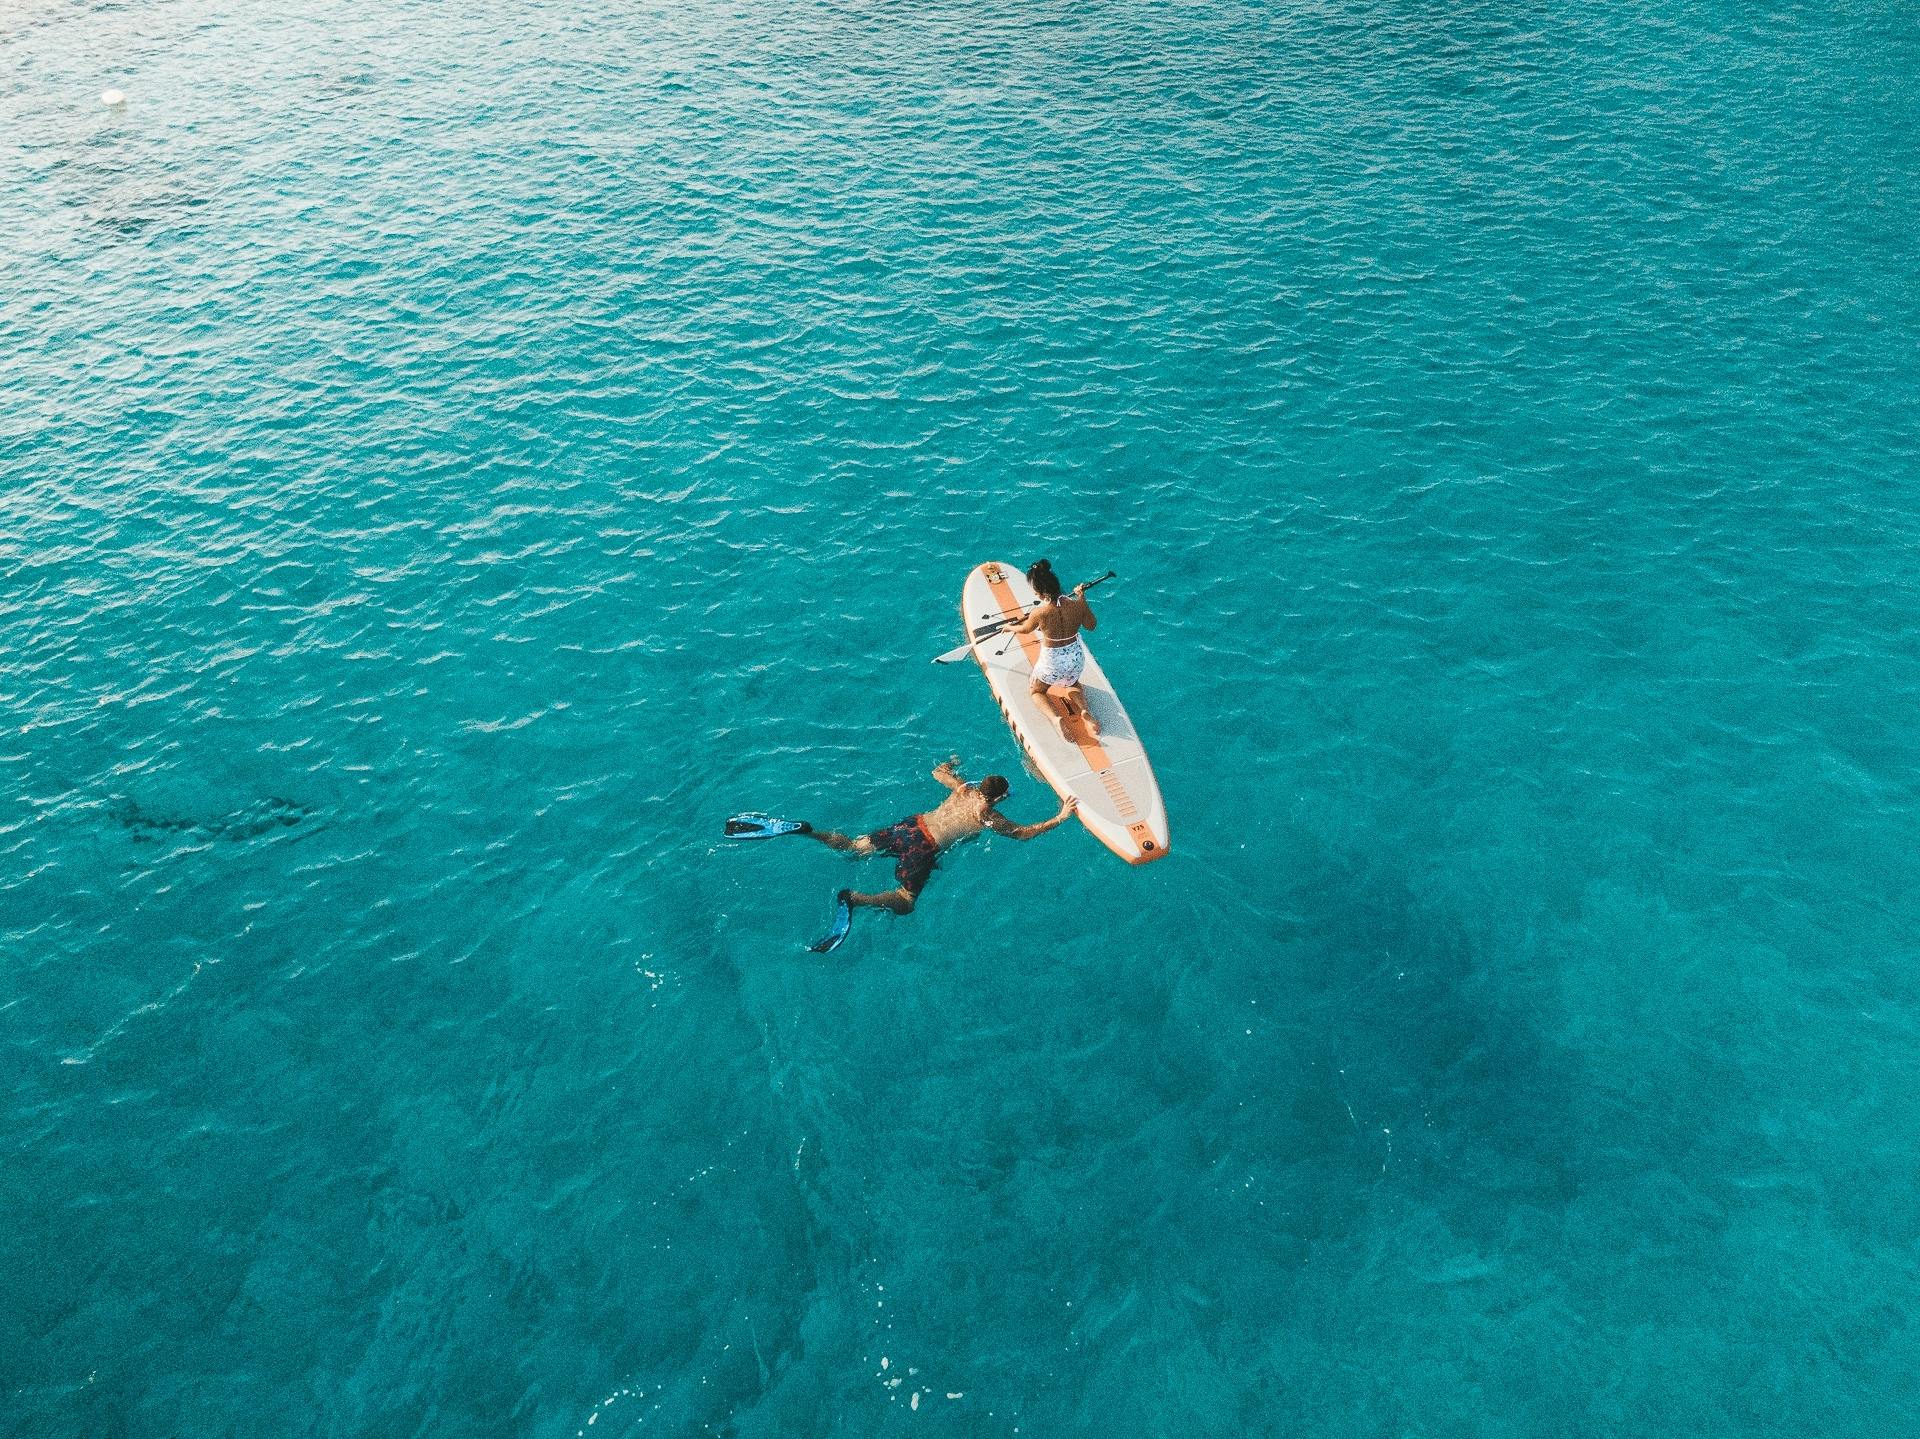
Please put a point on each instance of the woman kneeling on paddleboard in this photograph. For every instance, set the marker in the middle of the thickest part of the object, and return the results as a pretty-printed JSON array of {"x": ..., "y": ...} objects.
[{"x": 1059, "y": 619}]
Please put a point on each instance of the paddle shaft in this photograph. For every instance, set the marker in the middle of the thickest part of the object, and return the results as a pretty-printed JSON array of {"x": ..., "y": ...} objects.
[{"x": 988, "y": 630}]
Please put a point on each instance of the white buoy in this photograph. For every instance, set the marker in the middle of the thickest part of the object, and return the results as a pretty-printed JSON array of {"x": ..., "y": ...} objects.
[{"x": 112, "y": 97}]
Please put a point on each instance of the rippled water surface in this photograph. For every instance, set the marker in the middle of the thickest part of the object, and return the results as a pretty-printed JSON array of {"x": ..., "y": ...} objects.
[{"x": 452, "y": 455}]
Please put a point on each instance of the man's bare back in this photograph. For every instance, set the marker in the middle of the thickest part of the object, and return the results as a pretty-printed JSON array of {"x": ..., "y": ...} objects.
[{"x": 962, "y": 815}]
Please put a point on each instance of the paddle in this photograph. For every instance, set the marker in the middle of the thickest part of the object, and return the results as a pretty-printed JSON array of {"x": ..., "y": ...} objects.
[{"x": 994, "y": 628}]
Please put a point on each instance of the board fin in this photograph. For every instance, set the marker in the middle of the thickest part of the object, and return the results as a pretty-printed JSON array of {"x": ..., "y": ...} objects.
[
  {"x": 764, "y": 826},
  {"x": 842, "y": 922}
]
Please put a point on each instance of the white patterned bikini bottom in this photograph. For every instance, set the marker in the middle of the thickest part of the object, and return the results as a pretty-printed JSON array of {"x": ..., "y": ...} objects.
[{"x": 1060, "y": 664}]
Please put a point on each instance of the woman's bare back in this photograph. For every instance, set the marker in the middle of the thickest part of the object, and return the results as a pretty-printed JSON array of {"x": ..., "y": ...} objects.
[{"x": 1062, "y": 619}]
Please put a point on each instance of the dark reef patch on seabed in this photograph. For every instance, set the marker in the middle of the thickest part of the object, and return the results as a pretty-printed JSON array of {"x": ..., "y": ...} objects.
[
  {"x": 263, "y": 817},
  {"x": 1431, "y": 1016}
]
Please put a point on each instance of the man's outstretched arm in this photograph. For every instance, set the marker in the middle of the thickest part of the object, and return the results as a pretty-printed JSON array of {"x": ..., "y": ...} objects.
[
  {"x": 948, "y": 773},
  {"x": 1000, "y": 824}
]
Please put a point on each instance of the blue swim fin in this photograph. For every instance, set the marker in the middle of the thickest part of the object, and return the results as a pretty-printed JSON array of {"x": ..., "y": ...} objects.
[
  {"x": 764, "y": 826},
  {"x": 837, "y": 931}
]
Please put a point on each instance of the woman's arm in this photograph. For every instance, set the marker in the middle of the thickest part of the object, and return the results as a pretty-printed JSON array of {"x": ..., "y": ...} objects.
[{"x": 1088, "y": 621}]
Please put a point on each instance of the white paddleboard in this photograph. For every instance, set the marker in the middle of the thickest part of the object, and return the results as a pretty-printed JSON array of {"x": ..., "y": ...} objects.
[{"x": 1119, "y": 797}]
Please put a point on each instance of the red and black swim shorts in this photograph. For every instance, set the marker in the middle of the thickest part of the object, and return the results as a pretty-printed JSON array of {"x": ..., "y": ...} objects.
[{"x": 910, "y": 843}]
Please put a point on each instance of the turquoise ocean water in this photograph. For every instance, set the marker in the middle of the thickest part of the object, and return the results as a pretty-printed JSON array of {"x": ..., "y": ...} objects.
[{"x": 452, "y": 455}]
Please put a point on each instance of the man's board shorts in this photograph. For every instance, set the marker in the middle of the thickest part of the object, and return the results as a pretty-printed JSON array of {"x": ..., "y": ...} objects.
[
  {"x": 914, "y": 848},
  {"x": 1060, "y": 664}
]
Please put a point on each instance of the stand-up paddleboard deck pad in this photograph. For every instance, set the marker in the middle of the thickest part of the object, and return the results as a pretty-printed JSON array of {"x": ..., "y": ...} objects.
[{"x": 1109, "y": 774}]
